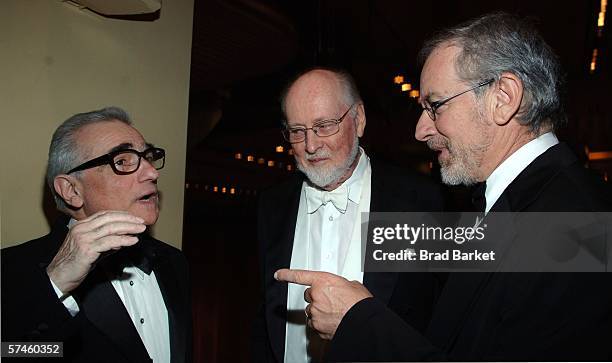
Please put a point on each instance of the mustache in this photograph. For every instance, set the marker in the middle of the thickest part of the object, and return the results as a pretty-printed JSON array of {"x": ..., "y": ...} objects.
[
  {"x": 437, "y": 143},
  {"x": 319, "y": 154}
]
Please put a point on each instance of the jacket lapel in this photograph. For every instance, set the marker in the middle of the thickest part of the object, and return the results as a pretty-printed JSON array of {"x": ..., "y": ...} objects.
[
  {"x": 177, "y": 319},
  {"x": 382, "y": 284},
  {"x": 104, "y": 309},
  {"x": 279, "y": 256}
]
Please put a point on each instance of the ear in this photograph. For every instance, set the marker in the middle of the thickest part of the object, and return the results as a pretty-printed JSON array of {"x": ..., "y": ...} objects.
[
  {"x": 68, "y": 188},
  {"x": 507, "y": 98},
  {"x": 360, "y": 120}
]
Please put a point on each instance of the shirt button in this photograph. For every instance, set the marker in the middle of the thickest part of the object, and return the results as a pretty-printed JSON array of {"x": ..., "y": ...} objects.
[
  {"x": 141, "y": 320},
  {"x": 331, "y": 218},
  {"x": 131, "y": 283}
]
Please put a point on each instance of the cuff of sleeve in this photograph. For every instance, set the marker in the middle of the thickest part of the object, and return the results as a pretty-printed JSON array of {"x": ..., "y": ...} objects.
[
  {"x": 352, "y": 332},
  {"x": 359, "y": 315},
  {"x": 69, "y": 302}
]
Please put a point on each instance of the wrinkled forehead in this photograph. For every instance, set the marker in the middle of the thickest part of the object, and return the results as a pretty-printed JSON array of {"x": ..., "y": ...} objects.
[
  {"x": 439, "y": 73},
  {"x": 313, "y": 98},
  {"x": 103, "y": 137}
]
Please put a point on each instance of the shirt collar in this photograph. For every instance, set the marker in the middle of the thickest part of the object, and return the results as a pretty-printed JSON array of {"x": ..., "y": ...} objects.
[
  {"x": 510, "y": 168},
  {"x": 355, "y": 182}
]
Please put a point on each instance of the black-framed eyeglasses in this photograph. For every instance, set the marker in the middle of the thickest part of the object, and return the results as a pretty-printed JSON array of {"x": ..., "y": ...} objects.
[
  {"x": 322, "y": 128},
  {"x": 126, "y": 161},
  {"x": 431, "y": 108}
]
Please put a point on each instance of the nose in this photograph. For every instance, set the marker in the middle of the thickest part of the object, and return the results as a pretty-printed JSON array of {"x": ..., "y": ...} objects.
[
  {"x": 425, "y": 128},
  {"x": 312, "y": 142},
  {"x": 148, "y": 171}
]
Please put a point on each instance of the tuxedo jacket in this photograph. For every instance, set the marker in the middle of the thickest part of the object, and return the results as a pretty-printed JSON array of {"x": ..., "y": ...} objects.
[
  {"x": 102, "y": 331},
  {"x": 410, "y": 296},
  {"x": 503, "y": 316}
]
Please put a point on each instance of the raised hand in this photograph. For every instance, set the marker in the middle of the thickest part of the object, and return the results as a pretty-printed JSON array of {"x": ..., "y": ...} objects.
[{"x": 86, "y": 240}]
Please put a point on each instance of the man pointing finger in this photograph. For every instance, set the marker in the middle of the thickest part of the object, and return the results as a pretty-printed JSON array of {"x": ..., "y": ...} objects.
[{"x": 329, "y": 297}]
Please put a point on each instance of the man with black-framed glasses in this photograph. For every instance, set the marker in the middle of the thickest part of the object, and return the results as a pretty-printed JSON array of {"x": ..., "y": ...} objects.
[
  {"x": 313, "y": 220},
  {"x": 98, "y": 282}
]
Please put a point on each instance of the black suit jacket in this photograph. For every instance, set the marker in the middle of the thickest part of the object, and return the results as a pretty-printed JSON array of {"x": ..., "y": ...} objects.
[
  {"x": 503, "y": 316},
  {"x": 410, "y": 296},
  {"x": 102, "y": 331}
]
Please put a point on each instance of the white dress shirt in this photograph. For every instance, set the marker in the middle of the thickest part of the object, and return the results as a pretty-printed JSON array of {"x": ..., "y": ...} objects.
[
  {"x": 327, "y": 238},
  {"x": 144, "y": 303},
  {"x": 510, "y": 168}
]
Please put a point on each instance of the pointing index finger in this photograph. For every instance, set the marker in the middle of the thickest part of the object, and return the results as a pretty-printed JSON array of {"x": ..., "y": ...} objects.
[{"x": 300, "y": 277}]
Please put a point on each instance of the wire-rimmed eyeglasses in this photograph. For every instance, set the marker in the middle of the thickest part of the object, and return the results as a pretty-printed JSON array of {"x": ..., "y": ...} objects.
[
  {"x": 431, "y": 108},
  {"x": 323, "y": 128}
]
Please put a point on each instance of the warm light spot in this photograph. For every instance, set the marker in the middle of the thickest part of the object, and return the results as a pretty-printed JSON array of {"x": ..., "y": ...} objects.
[
  {"x": 250, "y": 158},
  {"x": 600, "y": 155},
  {"x": 280, "y": 149},
  {"x": 238, "y": 156},
  {"x": 406, "y": 87},
  {"x": 270, "y": 163},
  {"x": 399, "y": 79}
]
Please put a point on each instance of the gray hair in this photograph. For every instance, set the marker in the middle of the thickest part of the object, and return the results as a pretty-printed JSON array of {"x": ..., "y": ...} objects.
[
  {"x": 65, "y": 153},
  {"x": 350, "y": 93},
  {"x": 500, "y": 42}
]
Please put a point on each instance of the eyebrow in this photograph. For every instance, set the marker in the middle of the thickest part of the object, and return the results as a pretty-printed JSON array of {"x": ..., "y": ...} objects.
[
  {"x": 128, "y": 145},
  {"x": 428, "y": 97},
  {"x": 315, "y": 122},
  {"x": 123, "y": 146}
]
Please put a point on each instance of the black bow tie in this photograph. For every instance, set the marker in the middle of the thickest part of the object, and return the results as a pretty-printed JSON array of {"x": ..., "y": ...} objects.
[
  {"x": 478, "y": 197},
  {"x": 139, "y": 255}
]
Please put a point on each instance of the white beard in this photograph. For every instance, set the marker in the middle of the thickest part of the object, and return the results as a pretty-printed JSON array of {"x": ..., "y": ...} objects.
[{"x": 321, "y": 176}]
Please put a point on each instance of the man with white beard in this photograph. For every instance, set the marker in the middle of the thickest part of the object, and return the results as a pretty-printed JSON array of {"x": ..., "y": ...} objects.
[
  {"x": 490, "y": 91},
  {"x": 313, "y": 220}
]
